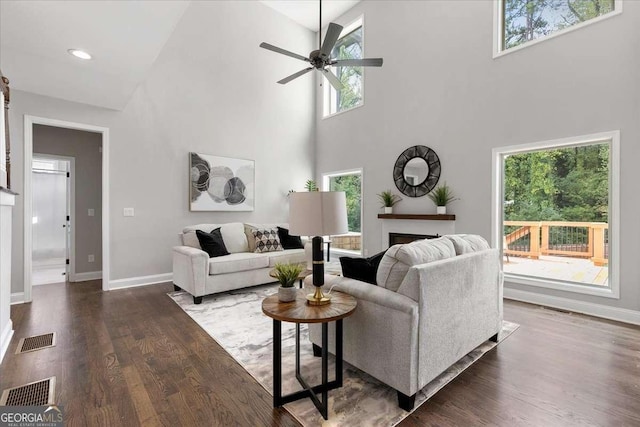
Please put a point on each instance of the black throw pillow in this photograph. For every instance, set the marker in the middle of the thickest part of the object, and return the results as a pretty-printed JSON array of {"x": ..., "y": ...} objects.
[
  {"x": 212, "y": 243},
  {"x": 288, "y": 241},
  {"x": 363, "y": 269}
]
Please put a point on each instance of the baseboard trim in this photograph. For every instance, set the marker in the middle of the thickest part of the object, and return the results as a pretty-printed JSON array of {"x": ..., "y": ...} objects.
[
  {"x": 85, "y": 277},
  {"x": 133, "y": 282},
  {"x": 17, "y": 298},
  {"x": 597, "y": 310},
  {"x": 7, "y": 333}
]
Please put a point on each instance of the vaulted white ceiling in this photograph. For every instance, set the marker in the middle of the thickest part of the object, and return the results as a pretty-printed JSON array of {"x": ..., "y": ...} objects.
[
  {"x": 124, "y": 37},
  {"x": 306, "y": 12}
]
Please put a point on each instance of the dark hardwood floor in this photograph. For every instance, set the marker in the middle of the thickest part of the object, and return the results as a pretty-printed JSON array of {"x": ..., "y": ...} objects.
[{"x": 133, "y": 357}]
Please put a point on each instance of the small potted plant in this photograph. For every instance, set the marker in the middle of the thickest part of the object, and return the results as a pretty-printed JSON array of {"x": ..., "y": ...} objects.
[
  {"x": 442, "y": 195},
  {"x": 287, "y": 274},
  {"x": 388, "y": 200}
]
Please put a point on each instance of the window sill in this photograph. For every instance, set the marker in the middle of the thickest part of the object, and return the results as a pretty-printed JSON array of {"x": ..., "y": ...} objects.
[{"x": 606, "y": 292}]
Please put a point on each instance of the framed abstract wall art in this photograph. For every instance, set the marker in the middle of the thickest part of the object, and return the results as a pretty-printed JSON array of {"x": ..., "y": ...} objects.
[{"x": 221, "y": 183}]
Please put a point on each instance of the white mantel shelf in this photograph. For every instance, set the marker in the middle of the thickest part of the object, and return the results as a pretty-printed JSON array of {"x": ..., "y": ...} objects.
[{"x": 418, "y": 217}]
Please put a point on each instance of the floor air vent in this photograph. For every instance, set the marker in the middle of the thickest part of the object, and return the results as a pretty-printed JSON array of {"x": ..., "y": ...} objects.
[
  {"x": 36, "y": 393},
  {"x": 36, "y": 343}
]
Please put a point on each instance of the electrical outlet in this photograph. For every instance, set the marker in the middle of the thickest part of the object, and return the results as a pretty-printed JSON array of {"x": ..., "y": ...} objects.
[
  {"x": 92, "y": 258},
  {"x": 366, "y": 252},
  {"x": 91, "y": 212},
  {"x": 128, "y": 212}
]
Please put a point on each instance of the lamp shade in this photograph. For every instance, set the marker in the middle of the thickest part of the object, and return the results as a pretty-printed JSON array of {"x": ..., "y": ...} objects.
[{"x": 318, "y": 213}]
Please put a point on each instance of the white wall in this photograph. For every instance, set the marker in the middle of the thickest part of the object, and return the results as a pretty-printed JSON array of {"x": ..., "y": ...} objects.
[
  {"x": 440, "y": 87},
  {"x": 212, "y": 90}
]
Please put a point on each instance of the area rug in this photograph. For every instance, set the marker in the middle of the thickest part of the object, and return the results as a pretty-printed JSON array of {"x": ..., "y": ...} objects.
[{"x": 236, "y": 322}]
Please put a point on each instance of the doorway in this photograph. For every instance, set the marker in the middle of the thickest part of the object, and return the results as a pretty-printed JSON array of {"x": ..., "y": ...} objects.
[
  {"x": 52, "y": 202},
  {"x": 95, "y": 263}
]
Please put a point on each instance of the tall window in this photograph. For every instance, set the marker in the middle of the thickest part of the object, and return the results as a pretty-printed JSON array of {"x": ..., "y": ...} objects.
[
  {"x": 351, "y": 183},
  {"x": 557, "y": 223},
  {"x": 348, "y": 46},
  {"x": 522, "y": 21}
]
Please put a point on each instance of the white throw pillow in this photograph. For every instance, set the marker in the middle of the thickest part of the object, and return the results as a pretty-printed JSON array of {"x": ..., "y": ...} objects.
[
  {"x": 234, "y": 237},
  {"x": 190, "y": 239}
]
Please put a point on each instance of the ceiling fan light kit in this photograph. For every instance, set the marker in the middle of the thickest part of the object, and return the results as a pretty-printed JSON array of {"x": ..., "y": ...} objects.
[{"x": 320, "y": 59}]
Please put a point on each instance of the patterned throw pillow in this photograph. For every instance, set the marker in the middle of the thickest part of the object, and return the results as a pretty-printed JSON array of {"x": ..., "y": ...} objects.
[{"x": 267, "y": 240}]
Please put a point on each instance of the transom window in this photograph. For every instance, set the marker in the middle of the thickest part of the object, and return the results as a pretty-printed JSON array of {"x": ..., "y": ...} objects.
[
  {"x": 521, "y": 22},
  {"x": 348, "y": 46}
]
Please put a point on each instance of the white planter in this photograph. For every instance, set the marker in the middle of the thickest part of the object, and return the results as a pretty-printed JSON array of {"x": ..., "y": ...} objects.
[
  {"x": 388, "y": 209},
  {"x": 441, "y": 210},
  {"x": 287, "y": 294}
]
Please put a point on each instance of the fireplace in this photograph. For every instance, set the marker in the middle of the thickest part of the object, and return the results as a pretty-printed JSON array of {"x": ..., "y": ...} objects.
[{"x": 401, "y": 238}]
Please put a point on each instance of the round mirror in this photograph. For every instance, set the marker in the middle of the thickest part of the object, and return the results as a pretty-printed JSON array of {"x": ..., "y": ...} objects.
[{"x": 416, "y": 171}]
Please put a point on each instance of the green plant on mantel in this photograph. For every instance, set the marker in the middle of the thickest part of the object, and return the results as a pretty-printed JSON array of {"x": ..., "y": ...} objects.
[
  {"x": 388, "y": 199},
  {"x": 442, "y": 195},
  {"x": 311, "y": 185},
  {"x": 287, "y": 274}
]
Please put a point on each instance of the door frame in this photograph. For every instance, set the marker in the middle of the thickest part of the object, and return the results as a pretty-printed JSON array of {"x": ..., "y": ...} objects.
[
  {"x": 29, "y": 121},
  {"x": 71, "y": 206}
]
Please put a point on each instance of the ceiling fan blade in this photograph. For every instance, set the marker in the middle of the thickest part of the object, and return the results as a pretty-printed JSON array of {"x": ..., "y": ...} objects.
[
  {"x": 295, "y": 75},
  {"x": 282, "y": 51},
  {"x": 330, "y": 39},
  {"x": 365, "y": 62},
  {"x": 335, "y": 82}
]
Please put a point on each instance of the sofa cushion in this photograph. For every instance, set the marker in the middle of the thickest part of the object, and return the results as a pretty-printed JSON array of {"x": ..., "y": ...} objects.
[
  {"x": 288, "y": 256},
  {"x": 232, "y": 233},
  {"x": 190, "y": 239},
  {"x": 242, "y": 261},
  {"x": 249, "y": 227},
  {"x": 288, "y": 241},
  {"x": 212, "y": 243},
  {"x": 399, "y": 258},
  {"x": 363, "y": 269},
  {"x": 466, "y": 243},
  {"x": 267, "y": 240}
]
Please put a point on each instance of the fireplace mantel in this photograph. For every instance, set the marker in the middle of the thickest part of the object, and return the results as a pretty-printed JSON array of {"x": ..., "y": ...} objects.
[{"x": 418, "y": 217}]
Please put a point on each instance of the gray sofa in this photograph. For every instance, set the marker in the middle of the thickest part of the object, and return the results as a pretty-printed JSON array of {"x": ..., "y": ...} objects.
[
  {"x": 200, "y": 275},
  {"x": 435, "y": 301}
]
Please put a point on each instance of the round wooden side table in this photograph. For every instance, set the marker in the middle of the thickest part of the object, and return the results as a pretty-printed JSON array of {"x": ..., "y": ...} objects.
[{"x": 342, "y": 305}]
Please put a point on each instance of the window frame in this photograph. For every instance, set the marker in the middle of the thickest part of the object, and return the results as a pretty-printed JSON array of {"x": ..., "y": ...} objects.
[
  {"x": 498, "y": 28},
  {"x": 327, "y": 88},
  {"x": 326, "y": 176},
  {"x": 497, "y": 211}
]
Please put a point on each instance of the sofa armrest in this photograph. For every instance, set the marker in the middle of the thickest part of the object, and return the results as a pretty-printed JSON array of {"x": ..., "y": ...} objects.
[
  {"x": 366, "y": 292},
  {"x": 381, "y": 337},
  {"x": 190, "y": 269}
]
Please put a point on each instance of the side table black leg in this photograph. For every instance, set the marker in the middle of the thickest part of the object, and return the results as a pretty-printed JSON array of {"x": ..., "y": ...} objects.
[
  {"x": 277, "y": 363},
  {"x": 339, "y": 352},
  {"x": 325, "y": 367}
]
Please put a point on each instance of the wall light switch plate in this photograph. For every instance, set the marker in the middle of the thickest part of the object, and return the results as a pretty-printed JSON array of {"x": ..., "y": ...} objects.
[
  {"x": 91, "y": 212},
  {"x": 92, "y": 258},
  {"x": 128, "y": 212}
]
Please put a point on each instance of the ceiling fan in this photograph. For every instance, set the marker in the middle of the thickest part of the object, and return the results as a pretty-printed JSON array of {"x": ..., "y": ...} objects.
[{"x": 321, "y": 59}]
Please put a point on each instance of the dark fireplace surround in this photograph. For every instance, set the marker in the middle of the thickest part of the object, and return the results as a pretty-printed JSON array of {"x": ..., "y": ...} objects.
[{"x": 401, "y": 238}]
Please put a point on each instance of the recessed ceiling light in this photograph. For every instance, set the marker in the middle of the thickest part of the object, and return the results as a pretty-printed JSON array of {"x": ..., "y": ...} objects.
[{"x": 79, "y": 53}]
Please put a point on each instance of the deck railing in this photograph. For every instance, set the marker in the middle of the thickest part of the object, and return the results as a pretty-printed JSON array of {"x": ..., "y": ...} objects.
[{"x": 561, "y": 238}]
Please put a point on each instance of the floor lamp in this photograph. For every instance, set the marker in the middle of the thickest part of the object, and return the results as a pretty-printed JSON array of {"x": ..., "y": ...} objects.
[{"x": 318, "y": 213}]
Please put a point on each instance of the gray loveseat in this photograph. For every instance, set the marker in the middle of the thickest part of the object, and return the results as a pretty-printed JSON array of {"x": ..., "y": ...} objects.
[{"x": 435, "y": 301}]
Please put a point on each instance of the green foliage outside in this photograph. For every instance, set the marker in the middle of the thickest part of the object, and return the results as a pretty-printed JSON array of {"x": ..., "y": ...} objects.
[
  {"x": 349, "y": 47},
  {"x": 526, "y": 20},
  {"x": 567, "y": 184},
  {"x": 352, "y": 186}
]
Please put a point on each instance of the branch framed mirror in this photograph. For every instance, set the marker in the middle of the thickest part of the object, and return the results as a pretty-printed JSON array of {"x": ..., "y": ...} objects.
[{"x": 417, "y": 171}]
